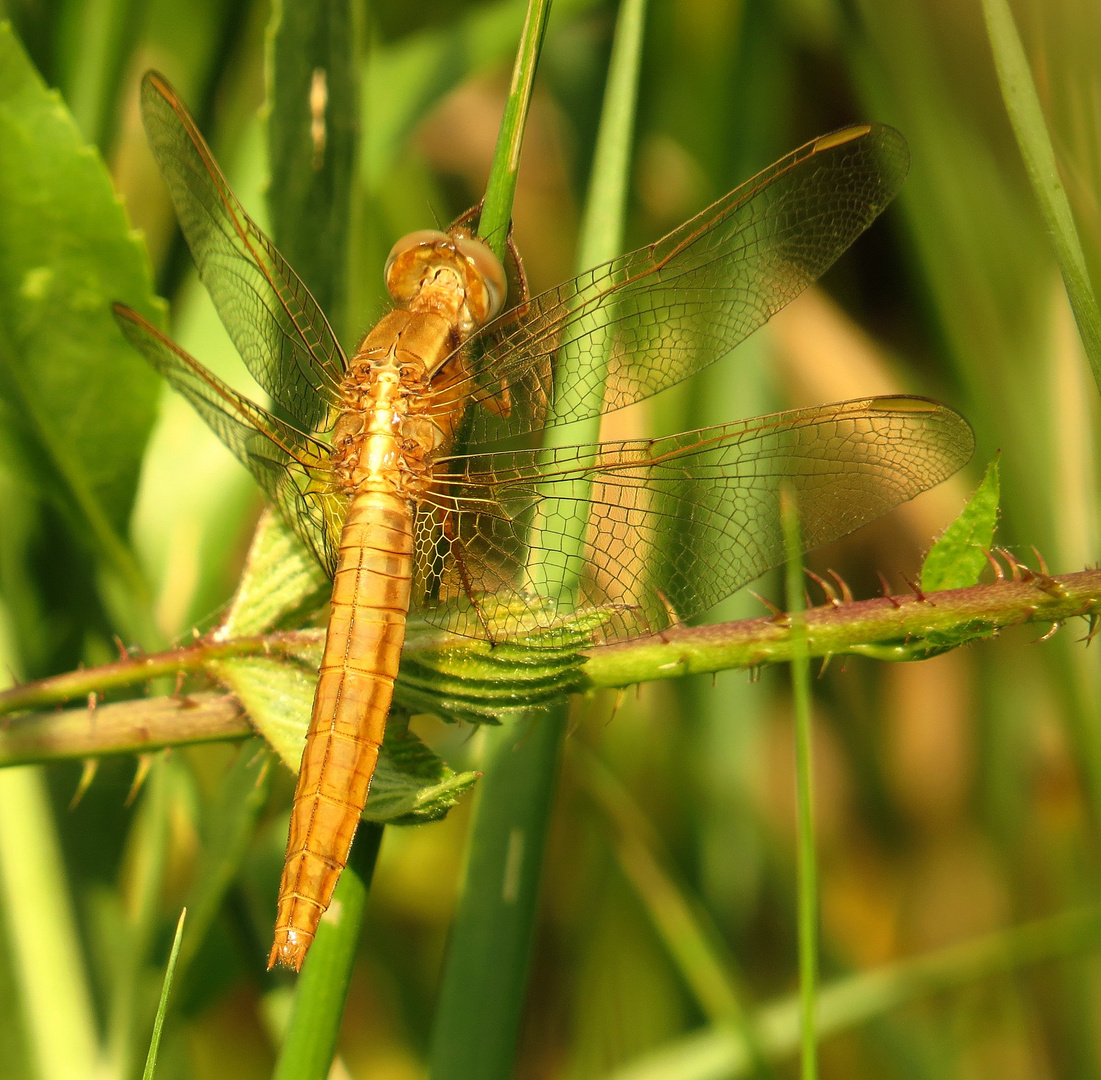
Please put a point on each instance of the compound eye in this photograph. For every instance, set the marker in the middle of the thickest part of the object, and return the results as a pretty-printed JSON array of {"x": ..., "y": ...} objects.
[
  {"x": 489, "y": 269},
  {"x": 420, "y": 238}
]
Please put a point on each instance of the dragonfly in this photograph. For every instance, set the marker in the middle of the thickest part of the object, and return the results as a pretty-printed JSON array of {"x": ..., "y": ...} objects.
[{"x": 415, "y": 471}]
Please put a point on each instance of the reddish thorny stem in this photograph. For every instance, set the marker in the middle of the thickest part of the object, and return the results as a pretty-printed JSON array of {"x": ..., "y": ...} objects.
[{"x": 896, "y": 627}]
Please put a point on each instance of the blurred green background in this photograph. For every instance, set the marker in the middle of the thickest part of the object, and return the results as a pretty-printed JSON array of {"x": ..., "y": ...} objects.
[{"x": 956, "y": 798}]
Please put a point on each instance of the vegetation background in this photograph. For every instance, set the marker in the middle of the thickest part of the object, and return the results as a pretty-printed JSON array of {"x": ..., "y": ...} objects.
[{"x": 957, "y": 798}]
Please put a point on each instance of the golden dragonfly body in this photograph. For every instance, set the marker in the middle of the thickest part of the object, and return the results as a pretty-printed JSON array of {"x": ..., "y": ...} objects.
[
  {"x": 370, "y": 476},
  {"x": 383, "y": 445}
]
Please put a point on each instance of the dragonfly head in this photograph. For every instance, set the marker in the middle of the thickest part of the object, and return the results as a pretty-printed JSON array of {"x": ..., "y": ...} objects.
[{"x": 454, "y": 275}]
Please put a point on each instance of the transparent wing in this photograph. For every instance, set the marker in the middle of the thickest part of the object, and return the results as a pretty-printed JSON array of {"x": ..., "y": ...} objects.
[
  {"x": 661, "y": 313},
  {"x": 276, "y": 325},
  {"x": 673, "y": 525},
  {"x": 291, "y": 468}
]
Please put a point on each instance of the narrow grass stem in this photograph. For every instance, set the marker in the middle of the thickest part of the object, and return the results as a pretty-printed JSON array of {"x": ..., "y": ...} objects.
[
  {"x": 501, "y": 185},
  {"x": 1029, "y": 125},
  {"x": 481, "y": 1002},
  {"x": 804, "y": 789},
  {"x": 162, "y": 1006}
]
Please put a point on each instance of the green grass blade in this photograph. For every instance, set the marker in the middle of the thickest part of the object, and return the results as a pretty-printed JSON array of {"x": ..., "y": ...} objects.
[
  {"x": 804, "y": 789},
  {"x": 1030, "y": 127},
  {"x": 501, "y": 185},
  {"x": 310, "y": 1042},
  {"x": 313, "y": 143},
  {"x": 485, "y": 975},
  {"x": 482, "y": 994},
  {"x": 95, "y": 40},
  {"x": 162, "y": 1005},
  {"x": 601, "y": 236},
  {"x": 55, "y": 997}
]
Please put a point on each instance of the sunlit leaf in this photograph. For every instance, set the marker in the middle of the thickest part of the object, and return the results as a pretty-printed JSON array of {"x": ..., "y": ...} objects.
[
  {"x": 410, "y": 785},
  {"x": 77, "y": 402},
  {"x": 958, "y": 557},
  {"x": 281, "y": 579}
]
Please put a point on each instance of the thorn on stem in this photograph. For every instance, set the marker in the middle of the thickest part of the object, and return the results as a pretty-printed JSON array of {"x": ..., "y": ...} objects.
[
  {"x": 915, "y": 588},
  {"x": 843, "y": 585},
  {"x": 145, "y": 763},
  {"x": 778, "y": 614},
  {"x": 87, "y": 775},
  {"x": 999, "y": 573},
  {"x": 885, "y": 590},
  {"x": 620, "y": 694},
  {"x": 1049, "y": 585},
  {"x": 824, "y": 585},
  {"x": 1014, "y": 566},
  {"x": 670, "y": 612}
]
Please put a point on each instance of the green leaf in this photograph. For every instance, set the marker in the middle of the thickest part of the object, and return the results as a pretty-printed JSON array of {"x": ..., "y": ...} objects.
[
  {"x": 162, "y": 1007},
  {"x": 312, "y": 142},
  {"x": 957, "y": 558},
  {"x": 281, "y": 581},
  {"x": 483, "y": 683},
  {"x": 76, "y": 403},
  {"x": 411, "y": 784}
]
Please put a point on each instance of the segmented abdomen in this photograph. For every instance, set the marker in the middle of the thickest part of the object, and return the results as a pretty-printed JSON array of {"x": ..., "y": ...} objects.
[{"x": 356, "y": 683}]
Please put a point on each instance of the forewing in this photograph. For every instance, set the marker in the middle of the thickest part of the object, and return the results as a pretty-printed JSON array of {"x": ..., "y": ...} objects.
[
  {"x": 673, "y": 525},
  {"x": 655, "y": 316},
  {"x": 274, "y": 322},
  {"x": 290, "y": 467}
]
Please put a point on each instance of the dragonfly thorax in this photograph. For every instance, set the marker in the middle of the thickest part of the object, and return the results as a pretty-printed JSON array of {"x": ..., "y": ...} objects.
[{"x": 382, "y": 439}]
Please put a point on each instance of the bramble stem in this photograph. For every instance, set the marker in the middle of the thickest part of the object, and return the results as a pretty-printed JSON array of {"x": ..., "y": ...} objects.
[{"x": 886, "y": 628}]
